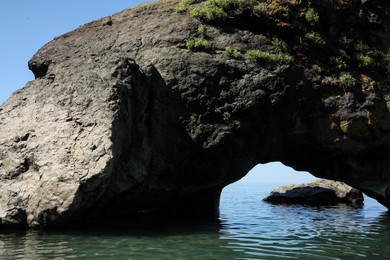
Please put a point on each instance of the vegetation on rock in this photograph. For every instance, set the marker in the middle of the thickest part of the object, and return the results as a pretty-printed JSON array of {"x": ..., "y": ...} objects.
[
  {"x": 295, "y": 32},
  {"x": 260, "y": 56},
  {"x": 312, "y": 16},
  {"x": 233, "y": 53},
  {"x": 198, "y": 44},
  {"x": 183, "y": 4},
  {"x": 280, "y": 44},
  {"x": 315, "y": 38},
  {"x": 347, "y": 80},
  {"x": 218, "y": 10},
  {"x": 201, "y": 30}
]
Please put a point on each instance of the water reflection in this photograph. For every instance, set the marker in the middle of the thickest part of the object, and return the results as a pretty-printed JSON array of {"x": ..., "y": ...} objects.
[
  {"x": 173, "y": 241},
  {"x": 333, "y": 232}
]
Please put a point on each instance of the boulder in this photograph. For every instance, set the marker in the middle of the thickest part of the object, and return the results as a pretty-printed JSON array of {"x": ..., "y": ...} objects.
[
  {"x": 157, "y": 108},
  {"x": 318, "y": 192}
]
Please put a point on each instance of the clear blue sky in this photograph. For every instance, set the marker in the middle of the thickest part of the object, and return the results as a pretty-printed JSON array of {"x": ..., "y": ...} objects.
[{"x": 29, "y": 24}]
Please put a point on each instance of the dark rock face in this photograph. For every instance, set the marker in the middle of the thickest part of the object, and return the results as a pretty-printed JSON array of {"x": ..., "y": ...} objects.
[
  {"x": 124, "y": 119},
  {"x": 318, "y": 192}
]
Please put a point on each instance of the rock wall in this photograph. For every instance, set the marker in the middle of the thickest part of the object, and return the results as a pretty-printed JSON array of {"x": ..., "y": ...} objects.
[{"x": 124, "y": 119}]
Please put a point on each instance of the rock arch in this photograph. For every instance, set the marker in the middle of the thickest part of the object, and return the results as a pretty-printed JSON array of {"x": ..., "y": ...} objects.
[{"x": 124, "y": 119}]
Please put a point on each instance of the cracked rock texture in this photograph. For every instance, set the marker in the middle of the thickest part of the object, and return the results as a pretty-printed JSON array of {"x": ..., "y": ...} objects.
[{"x": 123, "y": 119}]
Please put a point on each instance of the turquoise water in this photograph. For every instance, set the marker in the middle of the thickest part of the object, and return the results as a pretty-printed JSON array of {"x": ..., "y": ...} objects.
[{"x": 248, "y": 229}]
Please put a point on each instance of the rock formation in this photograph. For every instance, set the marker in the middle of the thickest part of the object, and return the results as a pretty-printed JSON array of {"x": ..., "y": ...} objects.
[
  {"x": 164, "y": 105},
  {"x": 318, "y": 192}
]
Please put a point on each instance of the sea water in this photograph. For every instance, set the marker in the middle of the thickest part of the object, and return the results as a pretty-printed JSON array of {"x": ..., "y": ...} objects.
[{"x": 248, "y": 228}]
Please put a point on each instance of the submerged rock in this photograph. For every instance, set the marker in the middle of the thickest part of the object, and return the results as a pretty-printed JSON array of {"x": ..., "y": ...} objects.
[
  {"x": 318, "y": 192},
  {"x": 155, "y": 110}
]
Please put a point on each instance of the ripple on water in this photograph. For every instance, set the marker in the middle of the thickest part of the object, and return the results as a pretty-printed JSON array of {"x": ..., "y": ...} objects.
[
  {"x": 334, "y": 232},
  {"x": 248, "y": 229}
]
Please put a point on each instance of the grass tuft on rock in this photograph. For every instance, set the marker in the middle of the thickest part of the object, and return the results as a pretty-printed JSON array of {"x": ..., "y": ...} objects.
[
  {"x": 217, "y": 10},
  {"x": 315, "y": 38},
  {"x": 264, "y": 56},
  {"x": 182, "y": 6},
  {"x": 347, "y": 79},
  {"x": 233, "y": 53},
  {"x": 198, "y": 44},
  {"x": 312, "y": 16}
]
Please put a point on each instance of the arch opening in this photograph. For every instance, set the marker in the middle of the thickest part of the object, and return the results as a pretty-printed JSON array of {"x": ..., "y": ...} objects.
[
  {"x": 263, "y": 178},
  {"x": 276, "y": 173},
  {"x": 255, "y": 227}
]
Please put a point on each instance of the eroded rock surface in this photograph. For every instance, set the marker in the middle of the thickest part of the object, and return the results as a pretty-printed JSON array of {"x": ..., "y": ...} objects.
[
  {"x": 123, "y": 118},
  {"x": 318, "y": 192}
]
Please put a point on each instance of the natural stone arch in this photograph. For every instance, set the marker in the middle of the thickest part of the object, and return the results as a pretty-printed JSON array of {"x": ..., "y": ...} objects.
[{"x": 124, "y": 119}]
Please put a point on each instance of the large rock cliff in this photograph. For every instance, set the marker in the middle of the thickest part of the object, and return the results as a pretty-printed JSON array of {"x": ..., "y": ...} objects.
[{"x": 157, "y": 108}]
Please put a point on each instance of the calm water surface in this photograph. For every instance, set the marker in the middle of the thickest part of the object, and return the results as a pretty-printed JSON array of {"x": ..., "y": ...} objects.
[{"x": 248, "y": 229}]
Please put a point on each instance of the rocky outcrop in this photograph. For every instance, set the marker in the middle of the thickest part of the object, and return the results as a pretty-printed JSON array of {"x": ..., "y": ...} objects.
[
  {"x": 318, "y": 192},
  {"x": 151, "y": 111}
]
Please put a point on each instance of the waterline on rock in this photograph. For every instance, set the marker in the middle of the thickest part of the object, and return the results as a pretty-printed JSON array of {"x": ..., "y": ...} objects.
[{"x": 247, "y": 229}]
